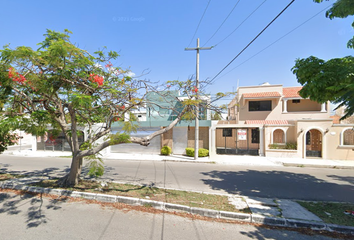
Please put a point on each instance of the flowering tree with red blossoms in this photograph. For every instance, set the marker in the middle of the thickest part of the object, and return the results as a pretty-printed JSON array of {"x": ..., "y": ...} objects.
[{"x": 64, "y": 88}]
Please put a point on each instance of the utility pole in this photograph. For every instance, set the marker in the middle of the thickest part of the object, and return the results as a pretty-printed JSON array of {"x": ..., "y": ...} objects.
[{"x": 196, "y": 139}]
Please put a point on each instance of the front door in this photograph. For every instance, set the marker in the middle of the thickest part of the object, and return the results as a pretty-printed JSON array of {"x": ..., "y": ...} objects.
[{"x": 314, "y": 143}]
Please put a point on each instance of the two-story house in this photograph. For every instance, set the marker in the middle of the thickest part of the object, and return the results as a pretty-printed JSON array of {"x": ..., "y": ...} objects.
[{"x": 275, "y": 121}]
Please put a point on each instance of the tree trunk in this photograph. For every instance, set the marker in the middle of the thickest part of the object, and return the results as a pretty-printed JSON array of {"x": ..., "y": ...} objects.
[{"x": 72, "y": 178}]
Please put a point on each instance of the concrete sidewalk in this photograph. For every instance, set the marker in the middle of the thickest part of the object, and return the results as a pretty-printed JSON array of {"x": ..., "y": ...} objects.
[
  {"x": 242, "y": 160},
  {"x": 294, "y": 162}
]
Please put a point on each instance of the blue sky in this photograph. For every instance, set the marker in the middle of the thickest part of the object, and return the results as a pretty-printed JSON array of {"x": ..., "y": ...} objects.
[{"x": 151, "y": 35}]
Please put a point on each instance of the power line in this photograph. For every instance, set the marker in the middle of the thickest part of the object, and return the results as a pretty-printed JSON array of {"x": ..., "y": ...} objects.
[
  {"x": 277, "y": 40},
  {"x": 252, "y": 41},
  {"x": 199, "y": 23},
  {"x": 241, "y": 23},
  {"x": 222, "y": 22}
]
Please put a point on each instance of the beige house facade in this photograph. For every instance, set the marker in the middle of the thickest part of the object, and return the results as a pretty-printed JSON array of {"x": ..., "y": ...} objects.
[{"x": 275, "y": 121}]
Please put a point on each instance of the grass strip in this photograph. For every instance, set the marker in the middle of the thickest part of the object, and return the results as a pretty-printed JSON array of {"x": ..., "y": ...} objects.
[
  {"x": 191, "y": 199},
  {"x": 331, "y": 212},
  {"x": 8, "y": 176}
]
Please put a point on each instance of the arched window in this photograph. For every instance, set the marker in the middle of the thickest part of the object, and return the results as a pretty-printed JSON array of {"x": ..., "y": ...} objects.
[
  {"x": 348, "y": 137},
  {"x": 278, "y": 136}
]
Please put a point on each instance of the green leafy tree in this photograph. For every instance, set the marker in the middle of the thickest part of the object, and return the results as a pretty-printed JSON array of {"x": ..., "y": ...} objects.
[
  {"x": 66, "y": 89},
  {"x": 63, "y": 87},
  {"x": 331, "y": 80},
  {"x": 341, "y": 9},
  {"x": 7, "y": 137}
]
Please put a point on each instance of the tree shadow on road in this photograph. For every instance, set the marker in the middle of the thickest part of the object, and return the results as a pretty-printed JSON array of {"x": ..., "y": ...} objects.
[
  {"x": 278, "y": 184},
  {"x": 349, "y": 180},
  {"x": 9, "y": 203},
  {"x": 47, "y": 172},
  {"x": 28, "y": 205}
]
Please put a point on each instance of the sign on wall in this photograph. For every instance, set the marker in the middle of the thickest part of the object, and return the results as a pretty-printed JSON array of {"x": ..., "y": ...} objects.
[{"x": 242, "y": 134}]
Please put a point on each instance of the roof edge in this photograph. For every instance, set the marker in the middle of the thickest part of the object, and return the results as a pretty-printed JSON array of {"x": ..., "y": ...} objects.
[{"x": 262, "y": 86}]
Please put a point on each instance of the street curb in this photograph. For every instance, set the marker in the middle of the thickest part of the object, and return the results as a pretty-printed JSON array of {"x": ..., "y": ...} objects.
[
  {"x": 251, "y": 218},
  {"x": 255, "y": 218},
  {"x": 313, "y": 225},
  {"x": 317, "y": 166}
]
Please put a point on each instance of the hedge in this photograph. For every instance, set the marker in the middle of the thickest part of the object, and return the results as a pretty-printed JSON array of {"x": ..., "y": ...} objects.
[{"x": 202, "y": 152}]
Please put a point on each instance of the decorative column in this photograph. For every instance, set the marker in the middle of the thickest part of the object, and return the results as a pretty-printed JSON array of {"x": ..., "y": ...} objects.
[
  {"x": 285, "y": 105},
  {"x": 212, "y": 142},
  {"x": 323, "y": 107},
  {"x": 261, "y": 141}
]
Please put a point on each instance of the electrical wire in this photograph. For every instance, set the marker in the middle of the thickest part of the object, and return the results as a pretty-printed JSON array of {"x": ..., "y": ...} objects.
[
  {"x": 241, "y": 23},
  {"x": 251, "y": 42},
  {"x": 277, "y": 40},
  {"x": 199, "y": 23},
  {"x": 223, "y": 22}
]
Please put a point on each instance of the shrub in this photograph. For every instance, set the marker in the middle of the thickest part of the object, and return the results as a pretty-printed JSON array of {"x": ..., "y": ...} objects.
[
  {"x": 291, "y": 145},
  {"x": 166, "y": 150},
  {"x": 202, "y": 152},
  {"x": 273, "y": 146},
  {"x": 190, "y": 152}
]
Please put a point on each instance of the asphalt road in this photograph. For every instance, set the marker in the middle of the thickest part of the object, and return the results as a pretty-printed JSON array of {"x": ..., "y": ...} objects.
[
  {"x": 35, "y": 217},
  {"x": 318, "y": 184}
]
